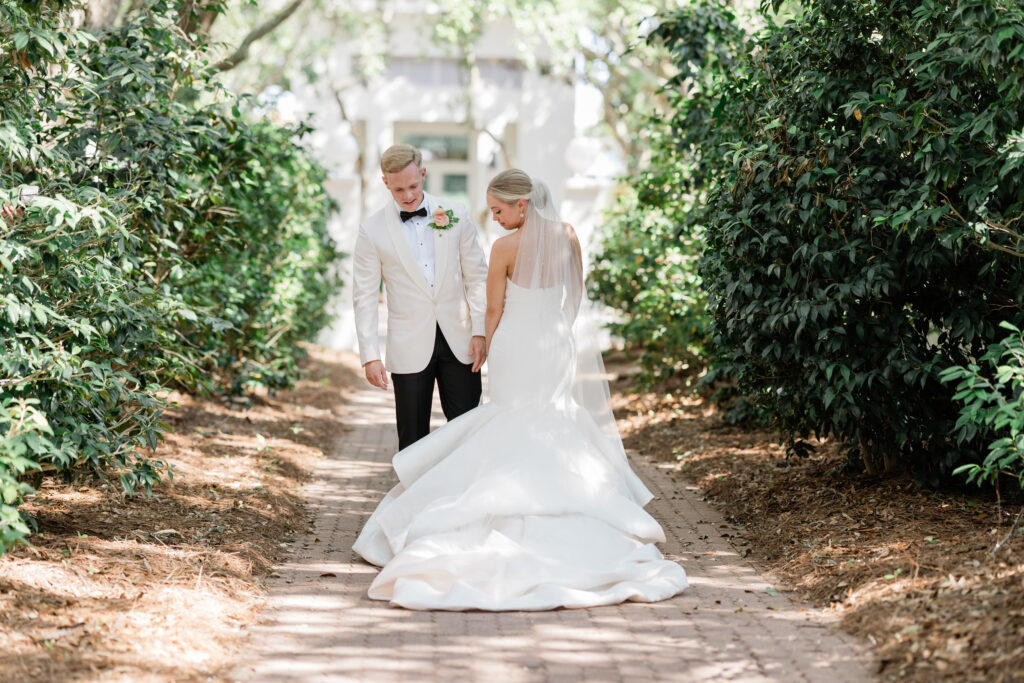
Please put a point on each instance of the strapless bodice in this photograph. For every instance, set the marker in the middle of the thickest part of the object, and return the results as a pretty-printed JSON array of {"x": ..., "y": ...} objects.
[{"x": 532, "y": 355}]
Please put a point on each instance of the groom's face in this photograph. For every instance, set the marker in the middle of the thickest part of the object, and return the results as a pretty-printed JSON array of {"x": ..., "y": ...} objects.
[{"x": 407, "y": 186}]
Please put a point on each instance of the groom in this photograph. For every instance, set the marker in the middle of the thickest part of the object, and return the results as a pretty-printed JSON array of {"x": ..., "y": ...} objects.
[{"x": 435, "y": 276}]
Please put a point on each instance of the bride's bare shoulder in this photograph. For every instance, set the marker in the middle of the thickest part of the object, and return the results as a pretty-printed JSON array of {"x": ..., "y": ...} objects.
[
  {"x": 504, "y": 245},
  {"x": 506, "y": 241}
]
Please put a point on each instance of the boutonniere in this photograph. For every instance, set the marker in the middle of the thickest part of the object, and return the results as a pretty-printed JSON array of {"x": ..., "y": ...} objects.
[{"x": 443, "y": 219}]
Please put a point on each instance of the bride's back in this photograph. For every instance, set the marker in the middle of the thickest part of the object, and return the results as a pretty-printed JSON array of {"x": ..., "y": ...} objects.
[
  {"x": 531, "y": 359},
  {"x": 550, "y": 260}
]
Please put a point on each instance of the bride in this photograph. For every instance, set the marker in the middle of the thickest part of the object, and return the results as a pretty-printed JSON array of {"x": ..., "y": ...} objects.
[{"x": 526, "y": 502}]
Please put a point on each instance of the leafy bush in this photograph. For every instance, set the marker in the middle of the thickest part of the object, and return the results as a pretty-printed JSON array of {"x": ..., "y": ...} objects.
[
  {"x": 652, "y": 237},
  {"x": 647, "y": 268},
  {"x": 854, "y": 176},
  {"x": 864, "y": 238},
  {"x": 171, "y": 245},
  {"x": 993, "y": 408}
]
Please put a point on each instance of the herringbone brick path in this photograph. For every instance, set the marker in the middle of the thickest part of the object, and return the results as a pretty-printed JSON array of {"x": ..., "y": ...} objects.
[{"x": 320, "y": 626}]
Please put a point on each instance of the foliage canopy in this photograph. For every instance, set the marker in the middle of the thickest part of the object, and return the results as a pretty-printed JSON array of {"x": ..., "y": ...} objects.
[
  {"x": 861, "y": 213},
  {"x": 171, "y": 244}
]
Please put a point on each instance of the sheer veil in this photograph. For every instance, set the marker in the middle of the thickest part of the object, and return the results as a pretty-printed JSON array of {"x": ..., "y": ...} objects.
[{"x": 550, "y": 255}]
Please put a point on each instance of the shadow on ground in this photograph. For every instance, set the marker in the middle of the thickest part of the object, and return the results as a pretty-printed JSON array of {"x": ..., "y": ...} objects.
[
  {"x": 728, "y": 624},
  {"x": 908, "y": 568},
  {"x": 159, "y": 589}
]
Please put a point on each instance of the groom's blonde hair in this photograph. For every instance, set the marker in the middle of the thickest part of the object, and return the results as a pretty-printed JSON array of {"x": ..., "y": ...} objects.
[
  {"x": 397, "y": 157},
  {"x": 510, "y": 186}
]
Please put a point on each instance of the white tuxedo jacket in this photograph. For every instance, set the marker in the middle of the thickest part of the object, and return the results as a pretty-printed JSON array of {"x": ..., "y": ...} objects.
[{"x": 457, "y": 304}]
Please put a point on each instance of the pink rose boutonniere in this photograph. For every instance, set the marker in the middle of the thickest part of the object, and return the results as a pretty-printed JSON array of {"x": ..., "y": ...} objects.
[{"x": 443, "y": 219}]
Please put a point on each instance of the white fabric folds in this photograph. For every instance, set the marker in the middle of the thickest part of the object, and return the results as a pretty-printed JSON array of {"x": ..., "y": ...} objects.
[{"x": 526, "y": 502}]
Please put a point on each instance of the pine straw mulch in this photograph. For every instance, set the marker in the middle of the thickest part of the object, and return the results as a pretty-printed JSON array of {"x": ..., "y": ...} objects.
[
  {"x": 118, "y": 588},
  {"x": 910, "y": 570}
]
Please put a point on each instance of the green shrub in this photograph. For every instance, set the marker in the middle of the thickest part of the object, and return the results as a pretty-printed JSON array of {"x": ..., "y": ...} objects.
[
  {"x": 648, "y": 271},
  {"x": 864, "y": 237},
  {"x": 993, "y": 408},
  {"x": 171, "y": 245},
  {"x": 651, "y": 240}
]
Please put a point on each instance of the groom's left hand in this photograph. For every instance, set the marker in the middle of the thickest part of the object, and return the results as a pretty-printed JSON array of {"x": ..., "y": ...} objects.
[{"x": 477, "y": 352}]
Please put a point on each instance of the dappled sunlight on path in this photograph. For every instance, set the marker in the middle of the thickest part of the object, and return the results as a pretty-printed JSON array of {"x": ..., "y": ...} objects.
[{"x": 729, "y": 625}]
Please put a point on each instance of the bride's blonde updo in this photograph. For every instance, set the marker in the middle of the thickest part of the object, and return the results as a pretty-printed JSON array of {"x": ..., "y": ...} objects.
[{"x": 510, "y": 186}]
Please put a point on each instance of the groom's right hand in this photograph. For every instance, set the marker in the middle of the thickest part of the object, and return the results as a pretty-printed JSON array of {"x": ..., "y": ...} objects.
[{"x": 376, "y": 375}]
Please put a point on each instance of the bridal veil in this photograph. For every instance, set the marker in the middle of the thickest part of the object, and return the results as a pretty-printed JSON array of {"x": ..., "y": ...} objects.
[{"x": 550, "y": 255}]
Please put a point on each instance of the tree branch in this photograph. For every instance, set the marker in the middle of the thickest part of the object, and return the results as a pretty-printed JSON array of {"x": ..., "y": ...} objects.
[
  {"x": 361, "y": 156},
  {"x": 506, "y": 158},
  {"x": 240, "y": 55}
]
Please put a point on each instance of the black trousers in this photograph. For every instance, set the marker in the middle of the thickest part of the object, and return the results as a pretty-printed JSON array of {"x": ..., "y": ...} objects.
[{"x": 457, "y": 384}]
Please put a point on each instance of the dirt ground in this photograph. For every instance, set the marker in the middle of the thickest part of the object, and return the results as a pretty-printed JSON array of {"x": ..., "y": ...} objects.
[
  {"x": 128, "y": 589},
  {"x": 912, "y": 571}
]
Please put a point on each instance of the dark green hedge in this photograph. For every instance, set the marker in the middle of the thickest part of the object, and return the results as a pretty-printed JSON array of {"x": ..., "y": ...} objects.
[
  {"x": 862, "y": 216},
  {"x": 172, "y": 244},
  {"x": 857, "y": 250},
  {"x": 652, "y": 237}
]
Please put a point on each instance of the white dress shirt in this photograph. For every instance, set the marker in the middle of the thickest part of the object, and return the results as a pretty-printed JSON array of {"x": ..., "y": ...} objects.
[{"x": 421, "y": 239}]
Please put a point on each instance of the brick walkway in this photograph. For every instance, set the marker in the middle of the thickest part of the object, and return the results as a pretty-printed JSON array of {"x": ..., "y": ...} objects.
[{"x": 320, "y": 626}]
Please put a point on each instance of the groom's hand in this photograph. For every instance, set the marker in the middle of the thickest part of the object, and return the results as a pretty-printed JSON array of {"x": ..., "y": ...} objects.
[
  {"x": 376, "y": 375},
  {"x": 477, "y": 352}
]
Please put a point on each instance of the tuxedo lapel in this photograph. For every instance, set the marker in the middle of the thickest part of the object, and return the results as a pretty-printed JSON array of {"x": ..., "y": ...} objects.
[
  {"x": 441, "y": 246},
  {"x": 402, "y": 247}
]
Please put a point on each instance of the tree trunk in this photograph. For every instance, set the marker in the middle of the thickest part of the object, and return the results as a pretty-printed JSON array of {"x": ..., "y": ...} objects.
[
  {"x": 874, "y": 464},
  {"x": 193, "y": 17}
]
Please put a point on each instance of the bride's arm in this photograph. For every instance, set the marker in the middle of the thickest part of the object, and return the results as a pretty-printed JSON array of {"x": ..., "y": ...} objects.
[
  {"x": 497, "y": 271},
  {"x": 575, "y": 272}
]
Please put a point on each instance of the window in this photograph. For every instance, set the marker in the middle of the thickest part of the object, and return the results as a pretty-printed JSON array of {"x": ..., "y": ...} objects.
[
  {"x": 455, "y": 183},
  {"x": 448, "y": 154},
  {"x": 426, "y": 73},
  {"x": 439, "y": 72},
  {"x": 440, "y": 146}
]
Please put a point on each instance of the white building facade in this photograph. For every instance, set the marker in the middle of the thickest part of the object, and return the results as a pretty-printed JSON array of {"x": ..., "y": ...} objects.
[{"x": 513, "y": 112}]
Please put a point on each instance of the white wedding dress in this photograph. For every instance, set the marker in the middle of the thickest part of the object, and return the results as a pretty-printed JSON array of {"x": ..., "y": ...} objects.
[{"x": 523, "y": 503}]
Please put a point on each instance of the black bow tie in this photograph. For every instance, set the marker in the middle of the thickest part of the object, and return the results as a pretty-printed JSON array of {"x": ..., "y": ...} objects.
[{"x": 406, "y": 215}]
